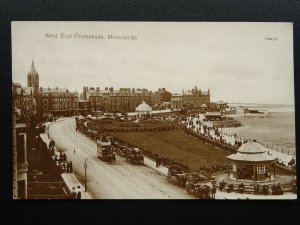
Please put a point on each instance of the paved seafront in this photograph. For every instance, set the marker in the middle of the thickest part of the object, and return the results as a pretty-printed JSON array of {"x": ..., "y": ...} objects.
[{"x": 69, "y": 178}]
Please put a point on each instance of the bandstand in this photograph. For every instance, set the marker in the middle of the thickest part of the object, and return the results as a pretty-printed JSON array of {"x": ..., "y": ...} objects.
[
  {"x": 252, "y": 163},
  {"x": 143, "y": 108}
]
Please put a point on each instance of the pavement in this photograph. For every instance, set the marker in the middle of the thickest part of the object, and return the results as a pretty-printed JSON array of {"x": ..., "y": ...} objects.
[
  {"x": 152, "y": 164},
  {"x": 237, "y": 196},
  {"x": 71, "y": 181},
  {"x": 285, "y": 158},
  {"x": 69, "y": 178},
  {"x": 224, "y": 195}
]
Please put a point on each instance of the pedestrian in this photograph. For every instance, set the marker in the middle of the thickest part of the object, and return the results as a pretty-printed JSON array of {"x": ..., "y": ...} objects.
[
  {"x": 71, "y": 167},
  {"x": 74, "y": 150},
  {"x": 61, "y": 157},
  {"x": 213, "y": 192},
  {"x": 159, "y": 160},
  {"x": 53, "y": 144},
  {"x": 78, "y": 196},
  {"x": 73, "y": 193},
  {"x": 156, "y": 160},
  {"x": 64, "y": 157},
  {"x": 66, "y": 167},
  {"x": 63, "y": 169}
]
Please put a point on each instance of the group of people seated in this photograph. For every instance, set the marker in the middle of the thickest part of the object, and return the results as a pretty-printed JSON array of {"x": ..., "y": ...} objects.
[
  {"x": 263, "y": 189},
  {"x": 230, "y": 187},
  {"x": 268, "y": 189}
]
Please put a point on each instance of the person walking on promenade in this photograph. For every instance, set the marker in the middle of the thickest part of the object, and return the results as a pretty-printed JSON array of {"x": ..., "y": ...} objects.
[
  {"x": 213, "y": 192},
  {"x": 71, "y": 167},
  {"x": 78, "y": 196},
  {"x": 73, "y": 193},
  {"x": 156, "y": 160},
  {"x": 256, "y": 189},
  {"x": 241, "y": 188},
  {"x": 74, "y": 150},
  {"x": 159, "y": 160}
]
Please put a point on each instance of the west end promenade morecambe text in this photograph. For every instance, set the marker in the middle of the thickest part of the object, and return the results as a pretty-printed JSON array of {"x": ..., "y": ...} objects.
[{"x": 90, "y": 36}]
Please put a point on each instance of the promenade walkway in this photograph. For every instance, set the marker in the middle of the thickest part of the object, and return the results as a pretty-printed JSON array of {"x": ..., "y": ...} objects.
[
  {"x": 71, "y": 181},
  {"x": 152, "y": 164},
  {"x": 69, "y": 178},
  {"x": 224, "y": 195},
  {"x": 230, "y": 139}
]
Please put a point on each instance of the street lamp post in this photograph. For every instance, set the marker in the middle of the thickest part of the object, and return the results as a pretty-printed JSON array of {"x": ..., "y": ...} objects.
[{"x": 85, "y": 185}]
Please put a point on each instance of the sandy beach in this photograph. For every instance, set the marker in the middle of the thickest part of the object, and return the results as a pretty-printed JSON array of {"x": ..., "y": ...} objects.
[{"x": 276, "y": 132}]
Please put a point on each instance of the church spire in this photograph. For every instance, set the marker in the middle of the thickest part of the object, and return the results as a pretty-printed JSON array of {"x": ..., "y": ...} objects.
[
  {"x": 33, "y": 80},
  {"x": 32, "y": 70}
]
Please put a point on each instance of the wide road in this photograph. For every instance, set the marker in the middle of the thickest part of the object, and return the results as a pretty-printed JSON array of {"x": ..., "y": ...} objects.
[{"x": 110, "y": 181}]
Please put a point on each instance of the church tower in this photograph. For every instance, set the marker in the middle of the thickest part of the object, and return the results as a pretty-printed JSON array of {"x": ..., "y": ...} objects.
[{"x": 33, "y": 80}]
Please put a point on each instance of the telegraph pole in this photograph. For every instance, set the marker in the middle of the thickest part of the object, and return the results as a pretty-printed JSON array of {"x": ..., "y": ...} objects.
[{"x": 85, "y": 184}]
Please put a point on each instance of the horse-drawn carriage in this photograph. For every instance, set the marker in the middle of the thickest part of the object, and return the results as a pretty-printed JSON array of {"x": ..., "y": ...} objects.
[
  {"x": 105, "y": 150},
  {"x": 135, "y": 156},
  {"x": 120, "y": 149},
  {"x": 176, "y": 174},
  {"x": 192, "y": 179}
]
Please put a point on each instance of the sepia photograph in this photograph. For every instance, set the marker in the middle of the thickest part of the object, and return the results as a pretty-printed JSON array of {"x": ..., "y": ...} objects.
[{"x": 153, "y": 110}]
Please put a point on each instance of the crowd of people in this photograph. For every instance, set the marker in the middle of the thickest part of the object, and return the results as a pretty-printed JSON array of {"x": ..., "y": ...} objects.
[
  {"x": 258, "y": 189},
  {"x": 65, "y": 167},
  {"x": 206, "y": 192},
  {"x": 199, "y": 126},
  {"x": 60, "y": 159}
]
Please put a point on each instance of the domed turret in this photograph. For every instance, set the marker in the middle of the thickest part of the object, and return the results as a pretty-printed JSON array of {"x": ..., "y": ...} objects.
[
  {"x": 252, "y": 147},
  {"x": 143, "y": 108}
]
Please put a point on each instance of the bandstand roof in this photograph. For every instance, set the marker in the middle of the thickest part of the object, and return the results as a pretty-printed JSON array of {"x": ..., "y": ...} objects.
[
  {"x": 261, "y": 157},
  {"x": 143, "y": 107},
  {"x": 252, "y": 148},
  {"x": 252, "y": 152}
]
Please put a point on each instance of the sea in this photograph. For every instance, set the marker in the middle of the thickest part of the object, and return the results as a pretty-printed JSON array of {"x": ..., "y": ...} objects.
[{"x": 277, "y": 131}]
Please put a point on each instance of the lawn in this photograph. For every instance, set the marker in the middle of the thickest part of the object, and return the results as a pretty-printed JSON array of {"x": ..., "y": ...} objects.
[
  {"x": 129, "y": 124},
  {"x": 176, "y": 145}
]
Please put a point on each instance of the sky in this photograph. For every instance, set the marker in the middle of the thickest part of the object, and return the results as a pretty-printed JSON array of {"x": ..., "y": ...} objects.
[{"x": 238, "y": 62}]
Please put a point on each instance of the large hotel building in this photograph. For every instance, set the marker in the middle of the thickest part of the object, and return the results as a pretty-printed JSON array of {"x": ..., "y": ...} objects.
[
  {"x": 47, "y": 102},
  {"x": 122, "y": 100}
]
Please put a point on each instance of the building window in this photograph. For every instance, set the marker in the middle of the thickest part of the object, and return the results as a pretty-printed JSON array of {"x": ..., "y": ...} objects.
[
  {"x": 261, "y": 169},
  {"x": 234, "y": 168}
]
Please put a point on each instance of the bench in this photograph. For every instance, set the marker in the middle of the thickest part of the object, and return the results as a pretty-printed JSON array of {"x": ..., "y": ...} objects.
[
  {"x": 288, "y": 189},
  {"x": 247, "y": 189}
]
